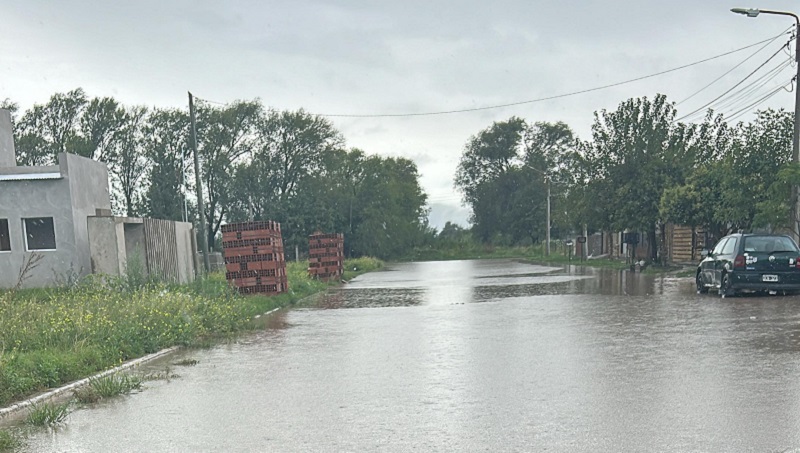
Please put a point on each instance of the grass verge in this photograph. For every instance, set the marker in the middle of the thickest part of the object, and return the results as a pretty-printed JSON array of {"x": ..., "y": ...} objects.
[
  {"x": 534, "y": 254},
  {"x": 52, "y": 336}
]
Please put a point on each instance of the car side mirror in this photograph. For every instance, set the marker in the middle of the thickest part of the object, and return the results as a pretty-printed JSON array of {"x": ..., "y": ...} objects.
[{"x": 704, "y": 253}]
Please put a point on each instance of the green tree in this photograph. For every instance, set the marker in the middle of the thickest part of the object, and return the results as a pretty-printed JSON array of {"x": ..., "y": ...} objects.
[
  {"x": 635, "y": 154},
  {"x": 226, "y": 137},
  {"x": 128, "y": 162},
  {"x": 165, "y": 139},
  {"x": 47, "y": 130},
  {"x": 503, "y": 174},
  {"x": 390, "y": 216}
]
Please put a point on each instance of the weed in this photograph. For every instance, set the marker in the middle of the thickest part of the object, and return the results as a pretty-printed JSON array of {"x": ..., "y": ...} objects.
[
  {"x": 107, "y": 387},
  {"x": 115, "y": 384},
  {"x": 9, "y": 441},
  {"x": 48, "y": 414},
  {"x": 186, "y": 362},
  {"x": 165, "y": 375}
]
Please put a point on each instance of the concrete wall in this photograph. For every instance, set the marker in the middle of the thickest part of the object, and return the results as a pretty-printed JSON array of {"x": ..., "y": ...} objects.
[
  {"x": 106, "y": 244},
  {"x": 70, "y": 199},
  {"x": 184, "y": 234},
  {"x": 160, "y": 247},
  {"x": 7, "y": 154},
  {"x": 88, "y": 181},
  {"x": 45, "y": 198}
]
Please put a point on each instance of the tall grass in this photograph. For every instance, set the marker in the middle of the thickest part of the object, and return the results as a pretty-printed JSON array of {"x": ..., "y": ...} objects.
[
  {"x": 8, "y": 441},
  {"x": 52, "y": 336},
  {"x": 48, "y": 414},
  {"x": 108, "y": 386}
]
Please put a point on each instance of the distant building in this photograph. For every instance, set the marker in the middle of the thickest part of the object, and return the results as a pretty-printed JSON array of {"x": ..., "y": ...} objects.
[{"x": 46, "y": 210}]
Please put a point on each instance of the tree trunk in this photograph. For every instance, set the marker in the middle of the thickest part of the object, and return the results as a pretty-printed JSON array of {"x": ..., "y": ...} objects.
[{"x": 652, "y": 238}]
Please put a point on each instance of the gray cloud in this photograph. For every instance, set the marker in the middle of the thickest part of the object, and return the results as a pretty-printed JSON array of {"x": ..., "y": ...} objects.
[{"x": 363, "y": 56}]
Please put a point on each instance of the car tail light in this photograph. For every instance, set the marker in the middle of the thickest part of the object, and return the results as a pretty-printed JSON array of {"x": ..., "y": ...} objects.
[
  {"x": 797, "y": 262},
  {"x": 738, "y": 262}
]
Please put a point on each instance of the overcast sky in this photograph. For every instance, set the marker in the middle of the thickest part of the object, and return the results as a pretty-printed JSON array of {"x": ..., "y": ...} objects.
[{"x": 377, "y": 57}]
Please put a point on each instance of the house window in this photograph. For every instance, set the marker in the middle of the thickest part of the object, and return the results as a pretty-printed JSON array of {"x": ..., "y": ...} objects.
[
  {"x": 39, "y": 233},
  {"x": 5, "y": 239}
]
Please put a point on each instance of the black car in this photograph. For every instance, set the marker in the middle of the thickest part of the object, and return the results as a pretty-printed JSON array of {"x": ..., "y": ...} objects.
[{"x": 750, "y": 262}]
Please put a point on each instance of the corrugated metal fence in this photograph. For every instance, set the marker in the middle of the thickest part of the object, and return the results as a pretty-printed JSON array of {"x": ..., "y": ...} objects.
[{"x": 161, "y": 249}]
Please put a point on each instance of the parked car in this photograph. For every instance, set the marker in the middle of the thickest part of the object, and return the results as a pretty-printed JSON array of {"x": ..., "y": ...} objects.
[{"x": 750, "y": 263}]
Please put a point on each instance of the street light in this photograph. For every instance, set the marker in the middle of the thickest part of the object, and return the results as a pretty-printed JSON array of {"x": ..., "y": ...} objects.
[
  {"x": 749, "y": 12},
  {"x": 547, "y": 181}
]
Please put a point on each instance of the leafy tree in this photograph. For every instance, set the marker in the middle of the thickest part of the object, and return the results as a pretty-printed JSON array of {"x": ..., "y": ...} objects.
[
  {"x": 165, "y": 138},
  {"x": 100, "y": 120},
  {"x": 128, "y": 161},
  {"x": 47, "y": 130},
  {"x": 753, "y": 195},
  {"x": 294, "y": 143},
  {"x": 634, "y": 155},
  {"x": 226, "y": 136},
  {"x": 503, "y": 174},
  {"x": 391, "y": 210}
]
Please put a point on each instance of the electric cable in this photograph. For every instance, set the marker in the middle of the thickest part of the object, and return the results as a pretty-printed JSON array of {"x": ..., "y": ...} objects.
[
  {"x": 744, "y": 96},
  {"x": 547, "y": 98},
  {"x": 705, "y": 106},
  {"x": 760, "y": 101},
  {"x": 735, "y": 98},
  {"x": 735, "y": 67}
]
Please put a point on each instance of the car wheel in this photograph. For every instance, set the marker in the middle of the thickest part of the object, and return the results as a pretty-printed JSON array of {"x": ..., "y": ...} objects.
[
  {"x": 701, "y": 286},
  {"x": 725, "y": 289}
]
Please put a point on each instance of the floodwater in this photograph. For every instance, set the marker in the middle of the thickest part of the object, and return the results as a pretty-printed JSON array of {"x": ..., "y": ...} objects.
[{"x": 478, "y": 356}]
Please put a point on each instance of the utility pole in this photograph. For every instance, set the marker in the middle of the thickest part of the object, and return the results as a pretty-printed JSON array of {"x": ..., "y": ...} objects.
[
  {"x": 547, "y": 181},
  {"x": 199, "y": 185},
  {"x": 796, "y": 138},
  {"x": 547, "y": 249}
]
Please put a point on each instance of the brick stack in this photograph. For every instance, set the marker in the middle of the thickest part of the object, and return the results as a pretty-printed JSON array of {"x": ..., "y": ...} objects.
[
  {"x": 254, "y": 260},
  {"x": 326, "y": 255}
]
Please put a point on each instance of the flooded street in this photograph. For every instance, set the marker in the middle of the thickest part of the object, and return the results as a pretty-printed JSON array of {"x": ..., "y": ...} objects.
[{"x": 478, "y": 356}]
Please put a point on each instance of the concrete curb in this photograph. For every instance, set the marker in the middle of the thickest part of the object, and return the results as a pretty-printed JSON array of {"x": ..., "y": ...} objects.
[
  {"x": 4, "y": 412},
  {"x": 7, "y": 411}
]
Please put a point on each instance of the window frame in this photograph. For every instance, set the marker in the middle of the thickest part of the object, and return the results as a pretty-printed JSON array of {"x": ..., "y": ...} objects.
[
  {"x": 25, "y": 234},
  {"x": 720, "y": 245},
  {"x": 8, "y": 235},
  {"x": 730, "y": 247}
]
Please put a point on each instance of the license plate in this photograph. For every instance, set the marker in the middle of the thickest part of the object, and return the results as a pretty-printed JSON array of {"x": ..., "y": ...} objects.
[{"x": 769, "y": 278}]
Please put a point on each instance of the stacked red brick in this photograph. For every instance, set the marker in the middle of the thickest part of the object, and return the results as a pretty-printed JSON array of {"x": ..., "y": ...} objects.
[
  {"x": 326, "y": 255},
  {"x": 254, "y": 260}
]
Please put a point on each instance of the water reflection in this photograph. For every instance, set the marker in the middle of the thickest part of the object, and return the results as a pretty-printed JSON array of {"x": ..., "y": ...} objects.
[
  {"x": 460, "y": 282},
  {"x": 481, "y": 356}
]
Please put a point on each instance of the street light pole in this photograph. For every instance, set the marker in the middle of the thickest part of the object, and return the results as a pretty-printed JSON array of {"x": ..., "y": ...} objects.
[{"x": 796, "y": 138}]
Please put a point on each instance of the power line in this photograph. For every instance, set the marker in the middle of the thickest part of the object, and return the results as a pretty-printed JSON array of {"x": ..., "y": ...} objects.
[
  {"x": 547, "y": 98},
  {"x": 212, "y": 102},
  {"x": 744, "y": 94},
  {"x": 734, "y": 68},
  {"x": 731, "y": 88},
  {"x": 747, "y": 109}
]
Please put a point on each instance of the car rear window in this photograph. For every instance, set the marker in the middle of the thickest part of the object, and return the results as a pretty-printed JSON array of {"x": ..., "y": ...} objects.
[{"x": 769, "y": 244}]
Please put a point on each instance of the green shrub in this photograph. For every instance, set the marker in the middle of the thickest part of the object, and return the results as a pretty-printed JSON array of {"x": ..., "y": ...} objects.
[{"x": 48, "y": 414}]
